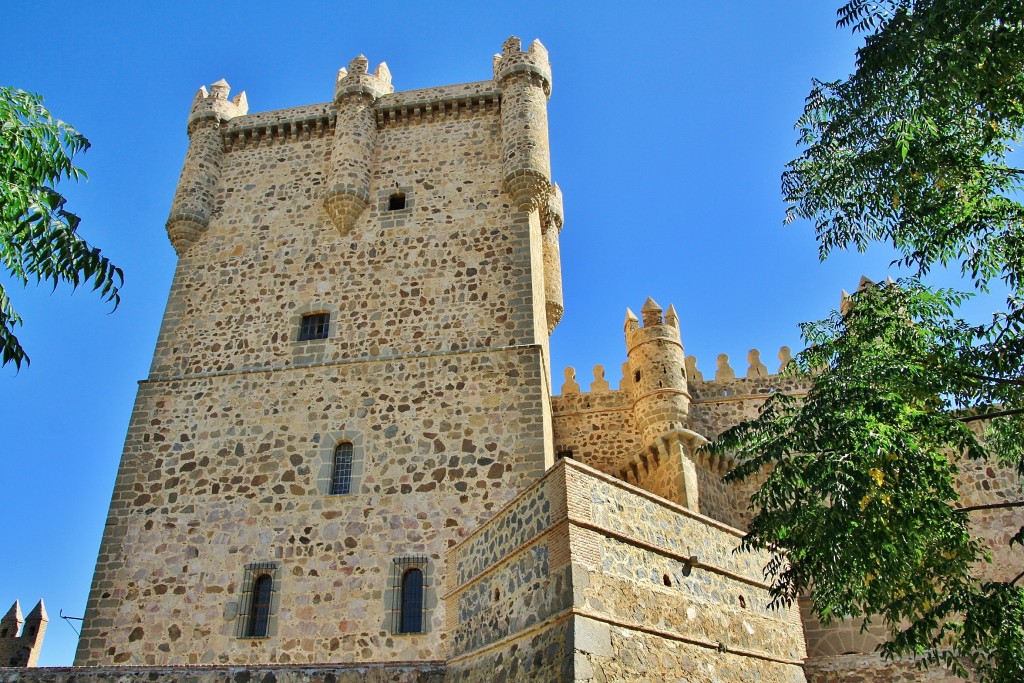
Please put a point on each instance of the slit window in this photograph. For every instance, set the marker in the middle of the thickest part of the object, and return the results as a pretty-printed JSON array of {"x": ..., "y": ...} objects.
[
  {"x": 341, "y": 472},
  {"x": 257, "y": 602},
  {"x": 396, "y": 202},
  {"x": 314, "y": 326}
]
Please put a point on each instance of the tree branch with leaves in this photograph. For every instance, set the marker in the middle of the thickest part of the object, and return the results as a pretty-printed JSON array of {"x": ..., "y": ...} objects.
[
  {"x": 38, "y": 236},
  {"x": 915, "y": 149}
]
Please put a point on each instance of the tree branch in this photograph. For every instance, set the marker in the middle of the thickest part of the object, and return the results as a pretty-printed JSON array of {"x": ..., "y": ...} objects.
[
  {"x": 998, "y": 380},
  {"x": 992, "y": 506},
  {"x": 1017, "y": 578},
  {"x": 989, "y": 416}
]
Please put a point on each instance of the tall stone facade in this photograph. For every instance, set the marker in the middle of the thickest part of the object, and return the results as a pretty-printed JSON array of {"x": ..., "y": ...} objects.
[{"x": 348, "y": 461}]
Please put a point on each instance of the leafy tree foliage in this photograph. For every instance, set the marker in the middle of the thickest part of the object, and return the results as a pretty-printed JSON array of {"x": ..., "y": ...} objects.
[
  {"x": 38, "y": 238},
  {"x": 914, "y": 149}
]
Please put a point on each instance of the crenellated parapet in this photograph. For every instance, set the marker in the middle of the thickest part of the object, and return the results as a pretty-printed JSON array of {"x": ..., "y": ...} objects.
[
  {"x": 193, "y": 200},
  {"x": 525, "y": 80},
  {"x": 356, "y": 91},
  {"x": 213, "y": 106},
  {"x": 21, "y": 639}
]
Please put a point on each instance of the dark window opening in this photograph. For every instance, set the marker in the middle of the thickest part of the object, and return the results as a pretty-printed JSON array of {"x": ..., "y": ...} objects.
[
  {"x": 315, "y": 326},
  {"x": 636, "y": 376},
  {"x": 341, "y": 475},
  {"x": 408, "y": 603},
  {"x": 743, "y": 602},
  {"x": 396, "y": 202},
  {"x": 412, "y": 602},
  {"x": 259, "y": 615},
  {"x": 256, "y": 606},
  {"x": 563, "y": 453},
  {"x": 667, "y": 581}
]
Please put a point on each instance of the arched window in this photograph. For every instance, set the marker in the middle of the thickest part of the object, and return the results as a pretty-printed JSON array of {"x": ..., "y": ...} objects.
[
  {"x": 341, "y": 472},
  {"x": 411, "y": 620},
  {"x": 259, "y": 613}
]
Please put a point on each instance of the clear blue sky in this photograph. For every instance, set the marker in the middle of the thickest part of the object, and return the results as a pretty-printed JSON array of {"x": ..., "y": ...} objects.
[{"x": 670, "y": 124}]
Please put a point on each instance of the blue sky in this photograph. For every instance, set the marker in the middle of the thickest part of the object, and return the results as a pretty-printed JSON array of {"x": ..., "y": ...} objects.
[{"x": 670, "y": 125}]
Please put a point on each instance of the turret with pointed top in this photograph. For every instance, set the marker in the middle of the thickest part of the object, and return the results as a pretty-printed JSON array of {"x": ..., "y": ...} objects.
[
  {"x": 193, "y": 200},
  {"x": 20, "y": 646},
  {"x": 11, "y": 622},
  {"x": 658, "y": 366}
]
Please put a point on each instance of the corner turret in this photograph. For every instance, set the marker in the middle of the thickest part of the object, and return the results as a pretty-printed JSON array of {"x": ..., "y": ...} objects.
[
  {"x": 552, "y": 217},
  {"x": 661, "y": 400},
  {"x": 356, "y": 91},
  {"x": 525, "y": 81},
  {"x": 657, "y": 364},
  {"x": 22, "y": 649},
  {"x": 193, "y": 200}
]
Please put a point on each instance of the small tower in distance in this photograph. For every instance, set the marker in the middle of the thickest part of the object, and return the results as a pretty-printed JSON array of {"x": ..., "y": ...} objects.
[
  {"x": 657, "y": 364},
  {"x": 20, "y": 646}
]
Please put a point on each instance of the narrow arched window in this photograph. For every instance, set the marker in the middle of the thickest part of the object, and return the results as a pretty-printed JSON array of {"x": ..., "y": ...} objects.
[
  {"x": 341, "y": 472},
  {"x": 412, "y": 602},
  {"x": 259, "y": 614}
]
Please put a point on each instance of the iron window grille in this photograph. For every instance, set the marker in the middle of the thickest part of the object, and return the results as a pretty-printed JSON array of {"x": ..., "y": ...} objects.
[
  {"x": 256, "y": 606},
  {"x": 409, "y": 609},
  {"x": 341, "y": 474},
  {"x": 315, "y": 326}
]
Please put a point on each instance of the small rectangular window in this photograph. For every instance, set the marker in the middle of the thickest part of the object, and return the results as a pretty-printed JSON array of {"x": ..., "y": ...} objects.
[
  {"x": 315, "y": 326},
  {"x": 396, "y": 202}
]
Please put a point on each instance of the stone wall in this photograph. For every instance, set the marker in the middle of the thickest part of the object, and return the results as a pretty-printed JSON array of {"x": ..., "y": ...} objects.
[
  {"x": 644, "y": 584},
  {"x": 597, "y": 427},
  {"x": 871, "y": 668},
  {"x": 435, "y": 368},
  {"x": 394, "y": 672}
]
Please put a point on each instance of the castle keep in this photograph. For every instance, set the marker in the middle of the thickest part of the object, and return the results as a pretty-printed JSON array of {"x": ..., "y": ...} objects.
[{"x": 350, "y": 460}]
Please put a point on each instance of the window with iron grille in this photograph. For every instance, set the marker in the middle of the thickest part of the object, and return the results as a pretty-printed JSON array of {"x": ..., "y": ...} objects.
[
  {"x": 341, "y": 474},
  {"x": 258, "y": 602},
  {"x": 314, "y": 326},
  {"x": 408, "y": 614}
]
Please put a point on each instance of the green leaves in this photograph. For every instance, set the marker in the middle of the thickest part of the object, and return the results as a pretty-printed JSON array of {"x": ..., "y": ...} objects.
[
  {"x": 919, "y": 148},
  {"x": 861, "y": 486},
  {"x": 38, "y": 238}
]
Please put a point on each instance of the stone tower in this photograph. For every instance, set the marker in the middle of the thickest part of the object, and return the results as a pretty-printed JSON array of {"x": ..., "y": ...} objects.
[{"x": 351, "y": 373}]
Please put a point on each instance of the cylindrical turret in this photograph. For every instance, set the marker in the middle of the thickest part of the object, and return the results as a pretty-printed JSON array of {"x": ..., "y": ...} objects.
[
  {"x": 657, "y": 363},
  {"x": 551, "y": 225},
  {"x": 355, "y": 141},
  {"x": 193, "y": 199},
  {"x": 525, "y": 82}
]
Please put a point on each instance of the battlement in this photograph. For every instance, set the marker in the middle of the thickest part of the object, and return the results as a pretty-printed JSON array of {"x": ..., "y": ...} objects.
[
  {"x": 513, "y": 60},
  {"x": 214, "y": 105},
  {"x": 756, "y": 380},
  {"x": 357, "y": 80},
  {"x": 22, "y": 638}
]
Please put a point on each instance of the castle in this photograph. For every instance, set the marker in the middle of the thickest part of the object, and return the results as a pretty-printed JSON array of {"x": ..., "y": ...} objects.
[{"x": 350, "y": 460}]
